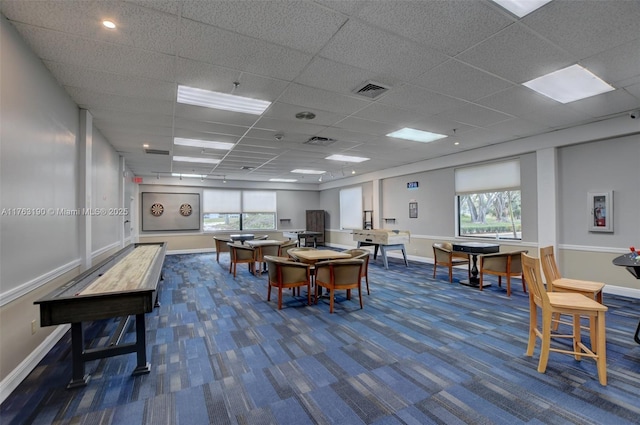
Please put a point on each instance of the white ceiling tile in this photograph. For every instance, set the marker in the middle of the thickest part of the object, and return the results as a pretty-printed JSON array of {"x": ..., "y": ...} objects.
[
  {"x": 586, "y": 28},
  {"x": 420, "y": 100},
  {"x": 449, "y": 26},
  {"x": 297, "y": 94},
  {"x": 308, "y": 26},
  {"x": 239, "y": 52},
  {"x": 341, "y": 78},
  {"x": 105, "y": 82},
  {"x": 362, "y": 46},
  {"x": 474, "y": 115},
  {"x": 60, "y": 47},
  {"x": 136, "y": 27},
  {"x": 616, "y": 66},
  {"x": 285, "y": 111},
  {"x": 459, "y": 80},
  {"x": 517, "y": 54}
]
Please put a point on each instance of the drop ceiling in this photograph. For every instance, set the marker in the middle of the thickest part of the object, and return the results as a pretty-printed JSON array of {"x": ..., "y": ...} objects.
[{"x": 450, "y": 67}]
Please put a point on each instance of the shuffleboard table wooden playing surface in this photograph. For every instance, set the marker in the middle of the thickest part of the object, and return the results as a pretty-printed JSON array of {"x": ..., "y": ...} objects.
[{"x": 123, "y": 285}]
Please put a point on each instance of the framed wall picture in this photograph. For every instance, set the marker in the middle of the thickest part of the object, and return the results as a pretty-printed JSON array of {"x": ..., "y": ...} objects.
[
  {"x": 413, "y": 210},
  {"x": 600, "y": 206}
]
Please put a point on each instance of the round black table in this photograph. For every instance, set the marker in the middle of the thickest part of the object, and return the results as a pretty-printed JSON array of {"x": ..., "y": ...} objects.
[
  {"x": 632, "y": 264},
  {"x": 242, "y": 237}
]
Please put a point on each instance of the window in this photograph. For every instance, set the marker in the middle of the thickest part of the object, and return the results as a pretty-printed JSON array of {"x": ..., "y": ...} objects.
[
  {"x": 351, "y": 208},
  {"x": 225, "y": 210},
  {"x": 489, "y": 200}
]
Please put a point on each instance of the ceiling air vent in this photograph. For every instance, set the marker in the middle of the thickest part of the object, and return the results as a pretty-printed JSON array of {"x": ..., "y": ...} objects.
[
  {"x": 370, "y": 89},
  {"x": 320, "y": 141},
  {"x": 247, "y": 168},
  {"x": 156, "y": 152}
]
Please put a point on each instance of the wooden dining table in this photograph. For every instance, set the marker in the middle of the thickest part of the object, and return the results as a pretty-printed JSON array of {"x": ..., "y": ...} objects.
[{"x": 315, "y": 255}]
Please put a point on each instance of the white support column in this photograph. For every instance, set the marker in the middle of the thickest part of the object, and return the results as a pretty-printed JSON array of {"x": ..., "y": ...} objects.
[
  {"x": 85, "y": 145},
  {"x": 376, "y": 204},
  {"x": 547, "y": 170}
]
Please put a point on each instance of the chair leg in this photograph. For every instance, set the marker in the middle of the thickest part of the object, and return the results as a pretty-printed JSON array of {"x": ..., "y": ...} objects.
[
  {"x": 269, "y": 291},
  {"x": 601, "y": 348},
  {"x": 508, "y": 285},
  {"x": 450, "y": 274},
  {"x": 279, "y": 297},
  {"x": 360, "y": 295},
  {"x": 331, "y": 300},
  {"x": 546, "y": 342},
  {"x": 308, "y": 293},
  {"x": 481, "y": 279},
  {"x": 533, "y": 325},
  {"x": 434, "y": 269},
  {"x": 577, "y": 337}
]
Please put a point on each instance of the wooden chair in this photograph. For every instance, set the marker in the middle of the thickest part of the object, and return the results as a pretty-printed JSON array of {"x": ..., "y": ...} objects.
[
  {"x": 501, "y": 264},
  {"x": 362, "y": 254},
  {"x": 221, "y": 246},
  {"x": 264, "y": 250},
  {"x": 241, "y": 254},
  {"x": 285, "y": 246},
  {"x": 339, "y": 275},
  {"x": 444, "y": 255},
  {"x": 557, "y": 283},
  {"x": 284, "y": 273},
  {"x": 574, "y": 304}
]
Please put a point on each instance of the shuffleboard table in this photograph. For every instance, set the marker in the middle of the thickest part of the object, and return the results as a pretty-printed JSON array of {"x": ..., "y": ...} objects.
[{"x": 123, "y": 285}]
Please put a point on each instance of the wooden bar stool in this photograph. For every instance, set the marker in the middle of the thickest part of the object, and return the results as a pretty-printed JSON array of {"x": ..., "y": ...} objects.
[{"x": 574, "y": 304}]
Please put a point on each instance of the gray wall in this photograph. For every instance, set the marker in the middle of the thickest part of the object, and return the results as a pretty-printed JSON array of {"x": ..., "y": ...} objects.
[
  {"x": 38, "y": 165},
  {"x": 600, "y": 166},
  {"x": 106, "y": 180}
]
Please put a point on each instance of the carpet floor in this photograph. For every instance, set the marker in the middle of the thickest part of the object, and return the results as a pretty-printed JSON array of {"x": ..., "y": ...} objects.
[{"x": 422, "y": 351}]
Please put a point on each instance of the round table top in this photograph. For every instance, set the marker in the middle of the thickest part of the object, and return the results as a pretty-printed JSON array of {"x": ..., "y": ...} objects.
[{"x": 242, "y": 237}]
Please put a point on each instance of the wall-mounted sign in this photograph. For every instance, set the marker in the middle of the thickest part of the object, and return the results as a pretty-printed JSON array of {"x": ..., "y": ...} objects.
[{"x": 412, "y": 185}]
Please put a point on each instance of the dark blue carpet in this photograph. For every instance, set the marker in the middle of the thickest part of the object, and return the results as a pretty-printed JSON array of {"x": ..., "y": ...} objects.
[{"x": 422, "y": 351}]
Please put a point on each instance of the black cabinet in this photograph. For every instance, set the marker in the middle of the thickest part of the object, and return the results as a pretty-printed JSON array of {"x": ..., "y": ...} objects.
[{"x": 315, "y": 223}]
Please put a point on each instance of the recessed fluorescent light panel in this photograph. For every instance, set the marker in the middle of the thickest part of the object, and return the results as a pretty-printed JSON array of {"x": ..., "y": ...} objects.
[
  {"x": 416, "y": 135},
  {"x": 347, "y": 158},
  {"x": 283, "y": 180},
  {"x": 521, "y": 8},
  {"x": 204, "y": 144},
  {"x": 569, "y": 84},
  {"x": 196, "y": 159},
  {"x": 215, "y": 100},
  {"x": 300, "y": 171}
]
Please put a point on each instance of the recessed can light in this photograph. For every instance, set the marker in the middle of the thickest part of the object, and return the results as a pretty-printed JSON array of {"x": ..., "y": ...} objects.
[{"x": 108, "y": 24}]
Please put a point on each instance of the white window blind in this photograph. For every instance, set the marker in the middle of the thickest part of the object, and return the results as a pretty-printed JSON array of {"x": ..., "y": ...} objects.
[
  {"x": 351, "y": 208},
  {"x": 258, "y": 201},
  {"x": 221, "y": 201},
  {"x": 491, "y": 177}
]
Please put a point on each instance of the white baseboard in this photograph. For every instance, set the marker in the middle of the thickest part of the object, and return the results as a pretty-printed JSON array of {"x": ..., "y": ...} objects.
[{"x": 17, "y": 375}]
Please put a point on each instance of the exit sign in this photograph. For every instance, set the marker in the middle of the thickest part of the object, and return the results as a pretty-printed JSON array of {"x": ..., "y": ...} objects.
[{"x": 412, "y": 185}]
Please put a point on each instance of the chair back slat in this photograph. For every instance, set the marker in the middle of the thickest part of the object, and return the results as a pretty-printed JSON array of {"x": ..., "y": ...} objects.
[
  {"x": 549, "y": 266},
  {"x": 531, "y": 271}
]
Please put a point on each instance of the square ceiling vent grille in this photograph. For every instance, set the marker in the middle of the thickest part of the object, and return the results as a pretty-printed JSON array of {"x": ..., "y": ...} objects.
[{"x": 370, "y": 89}]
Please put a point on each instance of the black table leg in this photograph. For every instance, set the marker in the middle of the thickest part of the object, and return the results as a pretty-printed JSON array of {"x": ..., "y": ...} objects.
[
  {"x": 636, "y": 337},
  {"x": 473, "y": 280},
  {"x": 141, "y": 347},
  {"x": 78, "y": 377}
]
